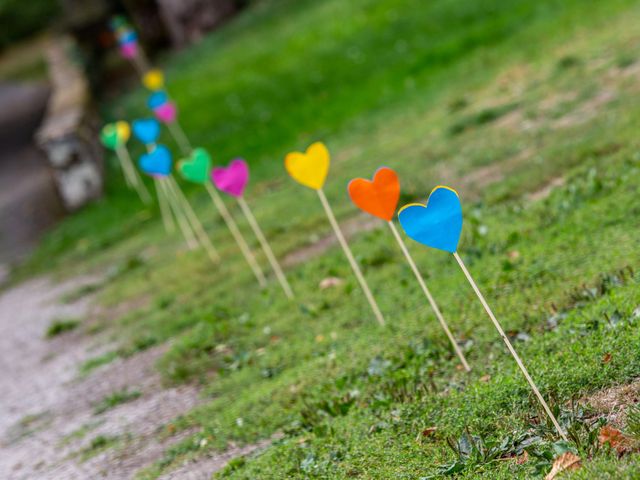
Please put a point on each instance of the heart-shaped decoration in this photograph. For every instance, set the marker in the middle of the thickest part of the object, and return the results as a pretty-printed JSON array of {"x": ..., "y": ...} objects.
[
  {"x": 196, "y": 167},
  {"x": 157, "y": 162},
  {"x": 115, "y": 134},
  {"x": 147, "y": 130},
  {"x": 437, "y": 224},
  {"x": 233, "y": 178},
  {"x": 378, "y": 197},
  {"x": 153, "y": 79},
  {"x": 310, "y": 168},
  {"x": 129, "y": 50},
  {"x": 157, "y": 99},
  {"x": 166, "y": 113}
]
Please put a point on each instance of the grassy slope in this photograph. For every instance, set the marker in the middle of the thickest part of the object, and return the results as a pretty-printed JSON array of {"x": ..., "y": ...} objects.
[{"x": 439, "y": 92}]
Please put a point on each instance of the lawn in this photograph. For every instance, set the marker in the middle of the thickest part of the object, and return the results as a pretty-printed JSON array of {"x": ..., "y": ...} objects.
[{"x": 529, "y": 109}]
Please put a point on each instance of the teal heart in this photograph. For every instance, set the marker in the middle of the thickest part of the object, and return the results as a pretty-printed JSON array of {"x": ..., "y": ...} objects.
[
  {"x": 196, "y": 167},
  {"x": 147, "y": 130},
  {"x": 437, "y": 224},
  {"x": 157, "y": 162}
]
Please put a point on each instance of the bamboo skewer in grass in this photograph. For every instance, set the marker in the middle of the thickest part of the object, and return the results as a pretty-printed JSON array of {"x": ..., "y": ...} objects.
[
  {"x": 115, "y": 136},
  {"x": 196, "y": 168},
  {"x": 310, "y": 169},
  {"x": 232, "y": 180},
  {"x": 379, "y": 198},
  {"x": 438, "y": 224}
]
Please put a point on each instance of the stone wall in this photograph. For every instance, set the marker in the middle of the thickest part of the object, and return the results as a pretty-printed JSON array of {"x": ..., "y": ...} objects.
[{"x": 69, "y": 132}]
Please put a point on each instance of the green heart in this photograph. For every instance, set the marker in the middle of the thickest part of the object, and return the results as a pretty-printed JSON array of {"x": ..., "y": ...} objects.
[
  {"x": 109, "y": 136},
  {"x": 196, "y": 167}
]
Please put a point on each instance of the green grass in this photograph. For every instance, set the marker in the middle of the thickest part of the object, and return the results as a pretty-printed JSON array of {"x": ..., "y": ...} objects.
[
  {"x": 60, "y": 326},
  {"x": 116, "y": 398},
  {"x": 498, "y": 99}
]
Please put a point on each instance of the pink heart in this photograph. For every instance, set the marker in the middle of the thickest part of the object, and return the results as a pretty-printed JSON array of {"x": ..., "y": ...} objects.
[
  {"x": 166, "y": 112},
  {"x": 129, "y": 50},
  {"x": 231, "y": 179}
]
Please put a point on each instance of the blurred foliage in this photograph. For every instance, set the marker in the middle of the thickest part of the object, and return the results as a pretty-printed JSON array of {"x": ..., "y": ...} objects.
[{"x": 20, "y": 19}]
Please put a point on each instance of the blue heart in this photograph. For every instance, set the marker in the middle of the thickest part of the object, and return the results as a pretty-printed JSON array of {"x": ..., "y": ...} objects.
[
  {"x": 147, "y": 130},
  {"x": 157, "y": 99},
  {"x": 437, "y": 224},
  {"x": 156, "y": 162}
]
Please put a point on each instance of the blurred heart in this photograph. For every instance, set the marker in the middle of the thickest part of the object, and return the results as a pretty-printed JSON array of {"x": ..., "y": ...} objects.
[
  {"x": 166, "y": 113},
  {"x": 196, "y": 167},
  {"x": 437, "y": 224},
  {"x": 310, "y": 168},
  {"x": 157, "y": 162},
  {"x": 378, "y": 197},
  {"x": 153, "y": 79},
  {"x": 129, "y": 50},
  {"x": 231, "y": 179},
  {"x": 147, "y": 130},
  {"x": 109, "y": 136},
  {"x": 157, "y": 99}
]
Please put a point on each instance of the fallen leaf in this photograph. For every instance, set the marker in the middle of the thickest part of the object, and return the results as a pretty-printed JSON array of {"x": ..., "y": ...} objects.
[
  {"x": 426, "y": 433},
  {"x": 485, "y": 378},
  {"x": 565, "y": 462},
  {"x": 520, "y": 459},
  {"x": 606, "y": 358},
  {"x": 330, "y": 282},
  {"x": 614, "y": 437}
]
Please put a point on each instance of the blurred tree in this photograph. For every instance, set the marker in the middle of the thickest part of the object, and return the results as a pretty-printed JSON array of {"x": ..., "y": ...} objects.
[{"x": 23, "y": 18}]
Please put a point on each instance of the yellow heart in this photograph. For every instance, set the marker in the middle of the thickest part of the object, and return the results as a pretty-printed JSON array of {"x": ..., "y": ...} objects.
[
  {"x": 124, "y": 131},
  {"x": 153, "y": 80},
  {"x": 310, "y": 168}
]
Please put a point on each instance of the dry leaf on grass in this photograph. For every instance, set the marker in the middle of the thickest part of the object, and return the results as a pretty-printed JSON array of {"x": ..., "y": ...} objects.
[
  {"x": 614, "y": 437},
  {"x": 566, "y": 461}
]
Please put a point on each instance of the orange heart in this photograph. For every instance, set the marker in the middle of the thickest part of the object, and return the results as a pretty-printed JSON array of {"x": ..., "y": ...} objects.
[{"x": 378, "y": 197}]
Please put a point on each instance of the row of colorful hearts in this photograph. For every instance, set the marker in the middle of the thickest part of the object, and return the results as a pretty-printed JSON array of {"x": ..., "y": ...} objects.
[{"x": 437, "y": 225}]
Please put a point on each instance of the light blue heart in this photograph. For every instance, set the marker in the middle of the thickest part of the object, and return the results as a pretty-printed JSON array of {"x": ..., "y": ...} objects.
[
  {"x": 157, "y": 99},
  {"x": 438, "y": 224},
  {"x": 147, "y": 130},
  {"x": 156, "y": 162}
]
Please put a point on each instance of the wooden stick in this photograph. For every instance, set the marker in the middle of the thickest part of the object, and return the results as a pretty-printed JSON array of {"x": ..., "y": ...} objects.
[
  {"x": 427, "y": 294},
  {"x": 174, "y": 203},
  {"x": 167, "y": 220},
  {"x": 202, "y": 236},
  {"x": 352, "y": 261},
  {"x": 266, "y": 247},
  {"x": 233, "y": 228},
  {"x": 134, "y": 177},
  {"x": 510, "y": 347},
  {"x": 180, "y": 137}
]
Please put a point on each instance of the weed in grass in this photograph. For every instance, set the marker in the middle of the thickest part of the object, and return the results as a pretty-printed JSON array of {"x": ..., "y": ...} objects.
[
  {"x": 97, "y": 445},
  {"x": 116, "y": 398},
  {"x": 61, "y": 325},
  {"x": 90, "y": 365}
]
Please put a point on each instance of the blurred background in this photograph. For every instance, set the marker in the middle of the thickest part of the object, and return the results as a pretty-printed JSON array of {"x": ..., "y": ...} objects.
[{"x": 58, "y": 61}]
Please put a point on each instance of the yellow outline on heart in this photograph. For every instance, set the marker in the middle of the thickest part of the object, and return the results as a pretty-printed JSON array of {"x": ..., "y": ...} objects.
[
  {"x": 424, "y": 205},
  {"x": 311, "y": 167}
]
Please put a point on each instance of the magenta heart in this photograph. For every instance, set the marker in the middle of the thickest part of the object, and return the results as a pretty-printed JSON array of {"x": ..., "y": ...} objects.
[
  {"x": 167, "y": 112},
  {"x": 231, "y": 179},
  {"x": 129, "y": 50}
]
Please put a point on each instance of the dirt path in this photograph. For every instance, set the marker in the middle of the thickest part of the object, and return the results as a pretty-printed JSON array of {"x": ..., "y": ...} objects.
[{"x": 48, "y": 415}]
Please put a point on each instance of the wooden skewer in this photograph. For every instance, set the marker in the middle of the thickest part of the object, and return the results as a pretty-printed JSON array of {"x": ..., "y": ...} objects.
[
  {"x": 167, "y": 219},
  {"x": 427, "y": 294},
  {"x": 266, "y": 247},
  {"x": 233, "y": 228},
  {"x": 180, "y": 137},
  {"x": 132, "y": 175},
  {"x": 174, "y": 203},
  {"x": 202, "y": 236},
  {"x": 349, "y": 255},
  {"x": 510, "y": 347}
]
